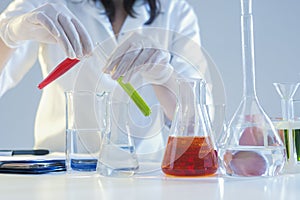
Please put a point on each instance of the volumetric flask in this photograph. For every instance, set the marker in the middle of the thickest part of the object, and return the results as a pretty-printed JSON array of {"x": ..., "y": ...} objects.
[
  {"x": 252, "y": 146},
  {"x": 190, "y": 149}
]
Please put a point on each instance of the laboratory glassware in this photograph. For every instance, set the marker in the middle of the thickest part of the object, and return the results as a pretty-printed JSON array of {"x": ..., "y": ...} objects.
[
  {"x": 190, "y": 149},
  {"x": 68, "y": 63},
  {"x": 287, "y": 125},
  {"x": 252, "y": 146},
  {"x": 85, "y": 124},
  {"x": 117, "y": 157}
]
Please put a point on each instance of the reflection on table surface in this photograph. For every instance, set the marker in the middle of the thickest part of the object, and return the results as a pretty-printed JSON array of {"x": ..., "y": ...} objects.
[{"x": 157, "y": 186}]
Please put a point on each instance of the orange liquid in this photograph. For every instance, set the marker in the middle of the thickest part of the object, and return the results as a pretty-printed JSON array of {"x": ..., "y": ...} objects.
[{"x": 190, "y": 156}]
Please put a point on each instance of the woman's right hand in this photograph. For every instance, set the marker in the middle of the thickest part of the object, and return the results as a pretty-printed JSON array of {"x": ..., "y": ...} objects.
[{"x": 50, "y": 23}]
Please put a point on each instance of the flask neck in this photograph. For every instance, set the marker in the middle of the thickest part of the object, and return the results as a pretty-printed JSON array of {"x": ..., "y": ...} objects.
[
  {"x": 192, "y": 118},
  {"x": 190, "y": 93},
  {"x": 248, "y": 49}
]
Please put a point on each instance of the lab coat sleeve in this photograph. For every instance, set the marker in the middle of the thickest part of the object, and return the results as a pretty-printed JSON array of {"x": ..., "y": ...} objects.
[
  {"x": 186, "y": 45},
  {"x": 25, "y": 54},
  {"x": 17, "y": 66}
]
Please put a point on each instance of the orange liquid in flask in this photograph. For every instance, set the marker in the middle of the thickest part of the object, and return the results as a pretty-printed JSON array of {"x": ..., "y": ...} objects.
[{"x": 190, "y": 156}]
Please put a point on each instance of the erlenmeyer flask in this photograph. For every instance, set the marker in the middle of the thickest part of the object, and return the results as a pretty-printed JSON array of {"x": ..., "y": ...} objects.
[
  {"x": 286, "y": 127},
  {"x": 252, "y": 146},
  {"x": 190, "y": 149},
  {"x": 117, "y": 155}
]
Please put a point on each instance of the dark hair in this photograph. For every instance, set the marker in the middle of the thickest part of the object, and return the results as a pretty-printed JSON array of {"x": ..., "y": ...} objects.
[{"x": 154, "y": 6}]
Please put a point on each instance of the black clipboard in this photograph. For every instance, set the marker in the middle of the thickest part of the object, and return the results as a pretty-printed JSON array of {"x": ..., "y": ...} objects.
[
  {"x": 32, "y": 166},
  {"x": 29, "y": 163}
]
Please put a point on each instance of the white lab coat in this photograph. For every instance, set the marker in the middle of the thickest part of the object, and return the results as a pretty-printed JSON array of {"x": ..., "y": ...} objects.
[{"x": 176, "y": 16}]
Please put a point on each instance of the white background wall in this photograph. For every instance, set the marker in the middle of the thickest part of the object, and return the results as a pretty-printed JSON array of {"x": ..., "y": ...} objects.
[{"x": 277, "y": 48}]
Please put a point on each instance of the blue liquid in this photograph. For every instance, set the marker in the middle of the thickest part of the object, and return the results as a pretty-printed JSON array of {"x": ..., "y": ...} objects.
[
  {"x": 84, "y": 164},
  {"x": 129, "y": 149}
]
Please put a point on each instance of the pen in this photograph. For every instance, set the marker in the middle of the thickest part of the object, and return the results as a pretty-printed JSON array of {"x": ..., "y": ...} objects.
[{"x": 35, "y": 152}]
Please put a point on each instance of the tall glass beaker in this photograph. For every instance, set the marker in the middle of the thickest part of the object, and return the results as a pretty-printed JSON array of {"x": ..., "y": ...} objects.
[
  {"x": 252, "y": 146},
  {"x": 190, "y": 149},
  {"x": 85, "y": 124}
]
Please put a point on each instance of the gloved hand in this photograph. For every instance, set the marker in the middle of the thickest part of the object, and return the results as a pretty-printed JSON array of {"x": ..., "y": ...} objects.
[
  {"x": 50, "y": 23},
  {"x": 139, "y": 54}
]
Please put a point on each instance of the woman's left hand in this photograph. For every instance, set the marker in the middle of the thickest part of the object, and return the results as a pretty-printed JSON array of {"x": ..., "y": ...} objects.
[{"x": 139, "y": 54}]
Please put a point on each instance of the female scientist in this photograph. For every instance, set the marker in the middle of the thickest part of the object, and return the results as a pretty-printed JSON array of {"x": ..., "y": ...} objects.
[{"x": 51, "y": 30}]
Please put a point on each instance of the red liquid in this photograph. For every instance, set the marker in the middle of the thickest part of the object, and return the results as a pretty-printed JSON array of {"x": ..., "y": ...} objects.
[{"x": 190, "y": 156}]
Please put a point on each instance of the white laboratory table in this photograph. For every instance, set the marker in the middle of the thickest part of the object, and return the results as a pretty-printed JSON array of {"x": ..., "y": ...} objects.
[{"x": 62, "y": 186}]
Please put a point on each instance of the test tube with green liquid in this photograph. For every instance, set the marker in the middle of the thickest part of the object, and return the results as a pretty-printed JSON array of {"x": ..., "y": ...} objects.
[
  {"x": 135, "y": 96},
  {"x": 284, "y": 135}
]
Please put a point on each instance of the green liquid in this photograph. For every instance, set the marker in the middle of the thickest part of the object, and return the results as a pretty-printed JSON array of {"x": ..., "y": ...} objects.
[
  {"x": 284, "y": 134},
  {"x": 135, "y": 96},
  {"x": 296, "y": 136}
]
